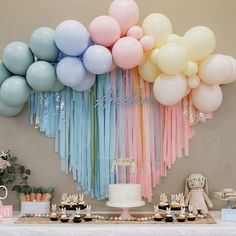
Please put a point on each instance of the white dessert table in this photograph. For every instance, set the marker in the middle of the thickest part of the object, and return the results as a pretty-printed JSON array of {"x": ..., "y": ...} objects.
[{"x": 9, "y": 228}]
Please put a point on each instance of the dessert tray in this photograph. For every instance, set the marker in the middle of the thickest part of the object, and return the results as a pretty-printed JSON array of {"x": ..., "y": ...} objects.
[{"x": 114, "y": 219}]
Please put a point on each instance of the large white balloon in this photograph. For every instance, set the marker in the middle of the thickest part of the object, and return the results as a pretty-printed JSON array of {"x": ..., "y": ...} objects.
[{"x": 170, "y": 89}]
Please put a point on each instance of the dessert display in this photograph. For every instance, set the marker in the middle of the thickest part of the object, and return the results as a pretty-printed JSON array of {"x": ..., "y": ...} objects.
[
  {"x": 73, "y": 201},
  {"x": 169, "y": 217},
  {"x": 182, "y": 216},
  {"x": 157, "y": 216},
  {"x": 77, "y": 216},
  {"x": 163, "y": 202}
]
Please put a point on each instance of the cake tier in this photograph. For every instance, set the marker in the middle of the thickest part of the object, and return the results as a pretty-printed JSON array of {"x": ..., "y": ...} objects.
[{"x": 125, "y": 195}]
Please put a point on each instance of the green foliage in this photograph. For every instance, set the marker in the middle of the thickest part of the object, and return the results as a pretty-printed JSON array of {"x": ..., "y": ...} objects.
[{"x": 12, "y": 172}]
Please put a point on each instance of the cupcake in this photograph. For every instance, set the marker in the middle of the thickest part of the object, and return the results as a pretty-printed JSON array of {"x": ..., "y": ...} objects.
[
  {"x": 158, "y": 217},
  {"x": 54, "y": 217},
  {"x": 88, "y": 217},
  {"x": 81, "y": 204},
  {"x": 77, "y": 218},
  {"x": 64, "y": 218},
  {"x": 191, "y": 217},
  {"x": 181, "y": 218},
  {"x": 169, "y": 217},
  {"x": 175, "y": 206}
]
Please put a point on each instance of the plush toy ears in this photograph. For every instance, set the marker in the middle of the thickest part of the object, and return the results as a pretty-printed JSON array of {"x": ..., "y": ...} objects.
[
  {"x": 186, "y": 190},
  {"x": 206, "y": 186}
]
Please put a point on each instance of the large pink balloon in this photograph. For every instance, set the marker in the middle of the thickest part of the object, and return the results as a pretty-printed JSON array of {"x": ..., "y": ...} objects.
[
  {"x": 170, "y": 89},
  {"x": 104, "y": 30},
  {"x": 216, "y": 69},
  {"x": 126, "y": 12},
  {"x": 207, "y": 98},
  {"x": 127, "y": 52},
  {"x": 233, "y": 76}
]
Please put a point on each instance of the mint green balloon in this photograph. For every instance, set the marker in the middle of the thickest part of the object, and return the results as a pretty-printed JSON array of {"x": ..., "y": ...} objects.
[
  {"x": 10, "y": 111},
  {"x": 17, "y": 57},
  {"x": 4, "y": 73},
  {"x": 15, "y": 91},
  {"x": 41, "y": 76},
  {"x": 43, "y": 45},
  {"x": 57, "y": 87}
]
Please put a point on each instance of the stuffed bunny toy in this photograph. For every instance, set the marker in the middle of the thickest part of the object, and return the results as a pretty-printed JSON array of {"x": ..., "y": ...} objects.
[{"x": 196, "y": 193}]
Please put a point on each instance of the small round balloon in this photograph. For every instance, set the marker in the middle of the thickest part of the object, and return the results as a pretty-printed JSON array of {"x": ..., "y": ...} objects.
[
  {"x": 170, "y": 89},
  {"x": 207, "y": 98},
  {"x": 104, "y": 30},
  {"x": 149, "y": 71},
  {"x": 10, "y": 111},
  {"x": 43, "y": 45},
  {"x": 191, "y": 69},
  {"x": 15, "y": 91},
  {"x": 216, "y": 69},
  {"x": 71, "y": 37},
  {"x": 159, "y": 27},
  {"x": 193, "y": 82},
  {"x": 97, "y": 59},
  {"x": 135, "y": 32},
  {"x": 41, "y": 76},
  {"x": 17, "y": 57},
  {"x": 70, "y": 71},
  {"x": 127, "y": 52},
  {"x": 57, "y": 87},
  {"x": 172, "y": 58},
  {"x": 200, "y": 42},
  {"x": 86, "y": 83},
  {"x": 4, "y": 73},
  {"x": 147, "y": 42},
  {"x": 126, "y": 12}
]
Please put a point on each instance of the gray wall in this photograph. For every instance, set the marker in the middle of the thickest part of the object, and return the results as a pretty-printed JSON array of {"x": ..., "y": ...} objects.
[{"x": 212, "y": 150}]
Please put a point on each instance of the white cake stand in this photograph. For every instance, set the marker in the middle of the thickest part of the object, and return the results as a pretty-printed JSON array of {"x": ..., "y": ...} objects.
[{"x": 125, "y": 215}]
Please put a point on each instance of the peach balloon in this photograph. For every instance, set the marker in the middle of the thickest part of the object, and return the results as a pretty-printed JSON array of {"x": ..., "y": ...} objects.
[
  {"x": 147, "y": 42},
  {"x": 216, "y": 69},
  {"x": 104, "y": 30},
  {"x": 233, "y": 76},
  {"x": 135, "y": 32},
  {"x": 170, "y": 89},
  {"x": 127, "y": 52},
  {"x": 193, "y": 82},
  {"x": 207, "y": 98},
  {"x": 126, "y": 12}
]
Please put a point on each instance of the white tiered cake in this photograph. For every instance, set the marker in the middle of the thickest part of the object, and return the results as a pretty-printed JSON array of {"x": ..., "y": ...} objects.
[{"x": 125, "y": 195}]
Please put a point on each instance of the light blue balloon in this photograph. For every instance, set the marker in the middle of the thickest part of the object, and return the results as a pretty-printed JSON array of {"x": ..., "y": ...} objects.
[
  {"x": 43, "y": 45},
  {"x": 15, "y": 91},
  {"x": 70, "y": 71},
  {"x": 9, "y": 111},
  {"x": 17, "y": 57},
  {"x": 41, "y": 76},
  {"x": 71, "y": 37},
  {"x": 58, "y": 86},
  {"x": 4, "y": 73},
  {"x": 86, "y": 83},
  {"x": 97, "y": 59}
]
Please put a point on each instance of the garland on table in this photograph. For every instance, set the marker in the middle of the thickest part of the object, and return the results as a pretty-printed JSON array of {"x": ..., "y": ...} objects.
[{"x": 117, "y": 118}]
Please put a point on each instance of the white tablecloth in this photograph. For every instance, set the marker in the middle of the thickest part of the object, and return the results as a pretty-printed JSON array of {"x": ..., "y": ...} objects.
[{"x": 9, "y": 228}]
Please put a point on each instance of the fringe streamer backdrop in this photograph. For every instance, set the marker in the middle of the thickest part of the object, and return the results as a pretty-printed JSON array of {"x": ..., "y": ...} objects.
[{"x": 118, "y": 118}]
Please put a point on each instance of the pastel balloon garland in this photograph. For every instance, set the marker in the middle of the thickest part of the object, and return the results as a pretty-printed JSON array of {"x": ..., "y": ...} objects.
[{"x": 71, "y": 56}]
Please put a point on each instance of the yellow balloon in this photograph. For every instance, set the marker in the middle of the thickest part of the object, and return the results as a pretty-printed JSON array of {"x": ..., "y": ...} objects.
[
  {"x": 153, "y": 55},
  {"x": 174, "y": 38},
  {"x": 149, "y": 71},
  {"x": 200, "y": 42},
  {"x": 192, "y": 69},
  {"x": 172, "y": 58},
  {"x": 158, "y": 26}
]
